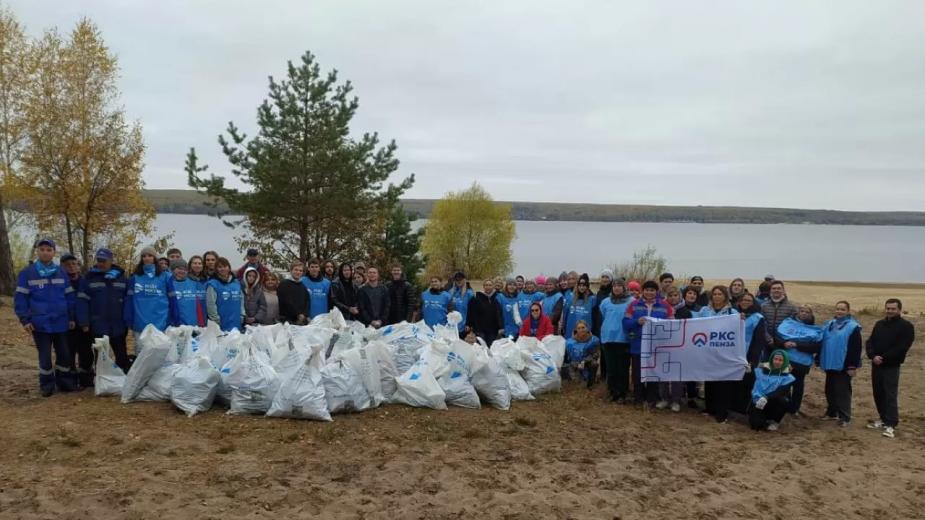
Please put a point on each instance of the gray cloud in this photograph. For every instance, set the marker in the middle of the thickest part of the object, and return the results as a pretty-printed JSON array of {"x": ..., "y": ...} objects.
[{"x": 767, "y": 104}]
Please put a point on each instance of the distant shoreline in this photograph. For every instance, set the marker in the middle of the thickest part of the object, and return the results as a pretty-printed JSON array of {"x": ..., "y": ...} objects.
[{"x": 191, "y": 203}]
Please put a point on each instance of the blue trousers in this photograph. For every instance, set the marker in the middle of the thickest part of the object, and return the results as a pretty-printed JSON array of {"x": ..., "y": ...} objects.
[{"x": 57, "y": 375}]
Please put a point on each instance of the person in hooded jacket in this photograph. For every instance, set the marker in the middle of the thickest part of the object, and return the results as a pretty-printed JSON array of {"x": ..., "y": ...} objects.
[
  {"x": 614, "y": 342},
  {"x": 552, "y": 302},
  {"x": 225, "y": 298},
  {"x": 580, "y": 306},
  {"x": 603, "y": 292},
  {"x": 719, "y": 396},
  {"x": 344, "y": 293},
  {"x": 403, "y": 300},
  {"x": 255, "y": 303},
  {"x": 687, "y": 311},
  {"x": 484, "y": 316},
  {"x": 583, "y": 352},
  {"x": 101, "y": 304},
  {"x": 510, "y": 312},
  {"x": 840, "y": 357},
  {"x": 44, "y": 303},
  {"x": 537, "y": 325},
  {"x": 801, "y": 356},
  {"x": 319, "y": 290},
  {"x": 648, "y": 305},
  {"x": 187, "y": 297},
  {"x": 293, "y": 296},
  {"x": 770, "y": 394},
  {"x": 755, "y": 349},
  {"x": 147, "y": 301},
  {"x": 436, "y": 303}
]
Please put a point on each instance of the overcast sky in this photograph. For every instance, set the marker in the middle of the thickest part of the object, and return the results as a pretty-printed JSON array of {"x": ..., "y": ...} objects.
[{"x": 796, "y": 104}]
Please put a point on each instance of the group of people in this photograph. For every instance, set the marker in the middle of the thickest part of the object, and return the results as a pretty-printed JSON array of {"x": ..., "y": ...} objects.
[{"x": 64, "y": 307}]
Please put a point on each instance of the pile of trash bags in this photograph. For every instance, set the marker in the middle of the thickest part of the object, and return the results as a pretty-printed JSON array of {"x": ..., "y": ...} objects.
[{"x": 328, "y": 367}]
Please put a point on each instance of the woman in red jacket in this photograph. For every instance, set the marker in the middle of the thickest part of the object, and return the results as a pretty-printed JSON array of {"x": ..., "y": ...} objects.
[{"x": 537, "y": 325}]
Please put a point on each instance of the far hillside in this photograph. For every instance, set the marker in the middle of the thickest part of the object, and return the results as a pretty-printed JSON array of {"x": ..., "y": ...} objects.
[{"x": 190, "y": 202}]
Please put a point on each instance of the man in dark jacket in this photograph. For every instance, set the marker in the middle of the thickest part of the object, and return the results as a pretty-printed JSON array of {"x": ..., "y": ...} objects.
[
  {"x": 101, "y": 305},
  {"x": 402, "y": 297},
  {"x": 293, "y": 296},
  {"x": 374, "y": 300},
  {"x": 78, "y": 341},
  {"x": 887, "y": 347},
  {"x": 775, "y": 311},
  {"x": 344, "y": 294},
  {"x": 484, "y": 315}
]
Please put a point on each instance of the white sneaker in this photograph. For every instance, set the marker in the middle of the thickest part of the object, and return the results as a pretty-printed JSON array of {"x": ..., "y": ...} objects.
[
  {"x": 661, "y": 405},
  {"x": 888, "y": 432},
  {"x": 773, "y": 426},
  {"x": 875, "y": 425},
  {"x": 675, "y": 407}
]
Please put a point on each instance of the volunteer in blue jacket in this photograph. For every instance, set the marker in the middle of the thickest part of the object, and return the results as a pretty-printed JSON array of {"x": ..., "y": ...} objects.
[
  {"x": 319, "y": 289},
  {"x": 101, "y": 304},
  {"x": 769, "y": 399},
  {"x": 147, "y": 301},
  {"x": 719, "y": 396},
  {"x": 187, "y": 297},
  {"x": 461, "y": 295},
  {"x": 801, "y": 355},
  {"x": 583, "y": 350},
  {"x": 840, "y": 357},
  {"x": 435, "y": 303},
  {"x": 510, "y": 311},
  {"x": 580, "y": 307},
  {"x": 225, "y": 298},
  {"x": 552, "y": 302},
  {"x": 44, "y": 303},
  {"x": 615, "y": 345},
  {"x": 756, "y": 345},
  {"x": 648, "y": 305}
]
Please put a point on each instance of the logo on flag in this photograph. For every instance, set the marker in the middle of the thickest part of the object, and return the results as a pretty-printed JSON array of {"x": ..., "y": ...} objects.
[{"x": 699, "y": 339}]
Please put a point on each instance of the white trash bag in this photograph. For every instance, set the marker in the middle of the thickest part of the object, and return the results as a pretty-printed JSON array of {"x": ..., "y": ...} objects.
[
  {"x": 158, "y": 386},
  {"x": 109, "y": 378},
  {"x": 301, "y": 394},
  {"x": 541, "y": 370},
  {"x": 490, "y": 380},
  {"x": 506, "y": 352},
  {"x": 388, "y": 372},
  {"x": 419, "y": 388},
  {"x": 252, "y": 380},
  {"x": 194, "y": 386},
  {"x": 452, "y": 366},
  {"x": 343, "y": 388},
  {"x": 155, "y": 346}
]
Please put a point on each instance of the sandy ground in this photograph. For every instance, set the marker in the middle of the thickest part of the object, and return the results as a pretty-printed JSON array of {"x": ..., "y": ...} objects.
[{"x": 569, "y": 455}]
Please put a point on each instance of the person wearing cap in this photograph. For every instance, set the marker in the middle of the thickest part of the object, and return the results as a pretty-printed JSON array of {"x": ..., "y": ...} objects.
[
  {"x": 319, "y": 290},
  {"x": 552, "y": 302},
  {"x": 703, "y": 299},
  {"x": 580, "y": 306},
  {"x": 614, "y": 342},
  {"x": 462, "y": 295},
  {"x": 634, "y": 288},
  {"x": 78, "y": 341},
  {"x": 252, "y": 260},
  {"x": 435, "y": 303},
  {"x": 101, "y": 304},
  {"x": 402, "y": 295},
  {"x": 510, "y": 313},
  {"x": 44, "y": 302},
  {"x": 147, "y": 302},
  {"x": 648, "y": 305},
  {"x": 225, "y": 298},
  {"x": 187, "y": 297}
]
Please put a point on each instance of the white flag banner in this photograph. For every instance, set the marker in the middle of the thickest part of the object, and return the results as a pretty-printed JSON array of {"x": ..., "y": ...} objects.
[{"x": 699, "y": 349}]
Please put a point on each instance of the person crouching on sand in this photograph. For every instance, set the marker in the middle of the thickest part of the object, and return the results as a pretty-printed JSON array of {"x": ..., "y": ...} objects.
[
  {"x": 584, "y": 351},
  {"x": 770, "y": 395}
]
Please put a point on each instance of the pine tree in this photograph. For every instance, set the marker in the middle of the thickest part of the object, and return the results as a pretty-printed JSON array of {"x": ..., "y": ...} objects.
[{"x": 312, "y": 190}]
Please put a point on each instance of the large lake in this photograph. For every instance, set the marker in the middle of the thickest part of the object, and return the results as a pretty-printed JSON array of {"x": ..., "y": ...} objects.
[{"x": 788, "y": 251}]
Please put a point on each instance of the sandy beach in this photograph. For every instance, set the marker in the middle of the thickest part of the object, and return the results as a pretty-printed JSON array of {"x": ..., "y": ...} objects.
[{"x": 568, "y": 455}]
